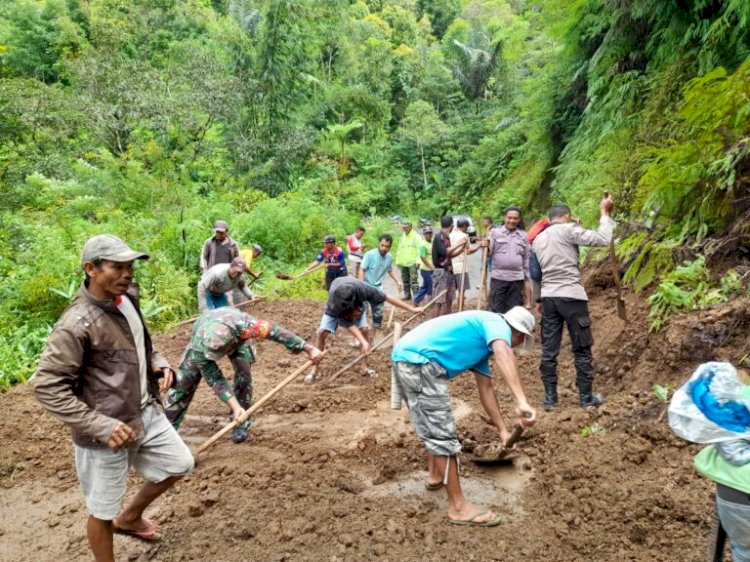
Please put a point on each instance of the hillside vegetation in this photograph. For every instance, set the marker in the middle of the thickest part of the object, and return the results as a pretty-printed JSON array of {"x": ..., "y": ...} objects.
[{"x": 291, "y": 119}]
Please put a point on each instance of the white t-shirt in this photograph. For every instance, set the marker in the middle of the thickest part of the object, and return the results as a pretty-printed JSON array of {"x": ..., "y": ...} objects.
[
  {"x": 136, "y": 328},
  {"x": 457, "y": 239}
]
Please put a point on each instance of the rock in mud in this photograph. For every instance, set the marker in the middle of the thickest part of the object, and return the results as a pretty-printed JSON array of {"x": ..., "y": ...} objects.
[
  {"x": 210, "y": 498},
  {"x": 349, "y": 486},
  {"x": 195, "y": 510}
]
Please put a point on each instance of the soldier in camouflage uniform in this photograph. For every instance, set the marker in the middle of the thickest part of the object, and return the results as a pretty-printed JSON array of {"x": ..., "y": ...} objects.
[{"x": 225, "y": 332}]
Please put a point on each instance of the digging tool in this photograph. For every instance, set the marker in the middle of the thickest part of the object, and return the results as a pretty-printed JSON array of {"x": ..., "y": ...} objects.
[
  {"x": 254, "y": 408},
  {"x": 382, "y": 342},
  {"x": 390, "y": 317},
  {"x": 286, "y": 277},
  {"x": 194, "y": 318},
  {"x": 716, "y": 541},
  {"x": 395, "y": 392},
  {"x": 483, "y": 284},
  {"x": 463, "y": 280},
  {"x": 616, "y": 275},
  {"x": 497, "y": 454}
]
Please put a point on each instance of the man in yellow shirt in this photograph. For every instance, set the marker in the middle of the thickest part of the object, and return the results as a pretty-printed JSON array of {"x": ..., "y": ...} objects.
[
  {"x": 249, "y": 254},
  {"x": 407, "y": 260}
]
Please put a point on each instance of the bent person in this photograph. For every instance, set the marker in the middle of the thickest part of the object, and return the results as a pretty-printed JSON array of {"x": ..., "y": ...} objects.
[
  {"x": 218, "y": 282},
  {"x": 432, "y": 354},
  {"x": 346, "y": 307},
  {"x": 100, "y": 376},
  {"x": 216, "y": 334}
]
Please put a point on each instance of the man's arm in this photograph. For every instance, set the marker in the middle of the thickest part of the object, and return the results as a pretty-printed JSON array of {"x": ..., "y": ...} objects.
[
  {"x": 401, "y": 304},
  {"x": 57, "y": 376},
  {"x": 202, "y": 304},
  {"x": 489, "y": 403},
  {"x": 359, "y": 336},
  {"x": 396, "y": 279},
  {"x": 601, "y": 236},
  {"x": 204, "y": 256},
  {"x": 505, "y": 360}
]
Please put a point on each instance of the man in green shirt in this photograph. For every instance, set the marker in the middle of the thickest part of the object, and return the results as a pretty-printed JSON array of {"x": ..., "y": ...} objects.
[{"x": 407, "y": 260}]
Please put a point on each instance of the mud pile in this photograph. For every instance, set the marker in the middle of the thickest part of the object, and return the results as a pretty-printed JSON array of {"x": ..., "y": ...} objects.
[{"x": 331, "y": 473}]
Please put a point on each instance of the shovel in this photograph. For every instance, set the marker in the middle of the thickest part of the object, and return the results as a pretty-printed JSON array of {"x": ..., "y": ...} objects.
[
  {"x": 495, "y": 454},
  {"x": 287, "y": 277}
]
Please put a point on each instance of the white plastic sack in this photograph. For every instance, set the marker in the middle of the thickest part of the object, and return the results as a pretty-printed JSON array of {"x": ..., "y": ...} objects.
[{"x": 712, "y": 406}]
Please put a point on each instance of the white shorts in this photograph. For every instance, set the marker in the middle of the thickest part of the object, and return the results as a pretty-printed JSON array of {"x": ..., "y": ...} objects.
[{"x": 103, "y": 473}]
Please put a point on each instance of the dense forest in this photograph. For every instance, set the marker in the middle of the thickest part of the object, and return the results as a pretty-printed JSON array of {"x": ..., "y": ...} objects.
[{"x": 292, "y": 119}]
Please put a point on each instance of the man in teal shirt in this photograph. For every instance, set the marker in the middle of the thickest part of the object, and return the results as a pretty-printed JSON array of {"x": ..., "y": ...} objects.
[
  {"x": 434, "y": 352},
  {"x": 376, "y": 263}
]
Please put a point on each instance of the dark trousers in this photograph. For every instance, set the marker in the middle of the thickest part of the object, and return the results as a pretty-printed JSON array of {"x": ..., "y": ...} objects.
[
  {"x": 504, "y": 295},
  {"x": 409, "y": 280},
  {"x": 332, "y": 275},
  {"x": 426, "y": 289},
  {"x": 557, "y": 311}
]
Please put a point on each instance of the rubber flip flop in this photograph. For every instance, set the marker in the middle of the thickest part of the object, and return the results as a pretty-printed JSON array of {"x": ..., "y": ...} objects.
[
  {"x": 370, "y": 373},
  {"x": 151, "y": 535},
  {"x": 432, "y": 486},
  {"x": 310, "y": 378},
  {"x": 473, "y": 523}
]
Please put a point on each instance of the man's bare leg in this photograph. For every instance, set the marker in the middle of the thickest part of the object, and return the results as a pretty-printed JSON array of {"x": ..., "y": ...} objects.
[
  {"x": 132, "y": 516},
  {"x": 99, "y": 533},
  {"x": 459, "y": 508}
]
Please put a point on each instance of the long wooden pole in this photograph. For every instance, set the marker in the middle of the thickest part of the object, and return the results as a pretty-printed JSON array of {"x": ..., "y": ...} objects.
[
  {"x": 463, "y": 280},
  {"x": 254, "y": 408},
  {"x": 395, "y": 391},
  {"x": 483, "y": 285},
  {"x": 380, "y": 344},
  {"x": 194, "y": 318}
]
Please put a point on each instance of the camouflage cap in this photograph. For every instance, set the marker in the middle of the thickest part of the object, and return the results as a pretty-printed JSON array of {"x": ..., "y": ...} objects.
[{"x": 108, "y": 247}]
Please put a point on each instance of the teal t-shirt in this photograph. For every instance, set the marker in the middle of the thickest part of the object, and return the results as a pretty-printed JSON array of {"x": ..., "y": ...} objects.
[
  {"x": 457, "y": 342},
  {"x": 376, "y": 267}
]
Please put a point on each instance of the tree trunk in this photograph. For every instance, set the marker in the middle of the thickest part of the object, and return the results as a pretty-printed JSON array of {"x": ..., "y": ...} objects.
[{"x": 424, "y": 170}]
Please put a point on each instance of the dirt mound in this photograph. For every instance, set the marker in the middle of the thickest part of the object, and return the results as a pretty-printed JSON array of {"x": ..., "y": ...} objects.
[{"x": 331, "y": 473}]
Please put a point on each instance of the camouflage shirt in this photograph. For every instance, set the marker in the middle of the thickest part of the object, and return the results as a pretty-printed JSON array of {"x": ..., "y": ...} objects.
[{"x": 222, "y": 331}]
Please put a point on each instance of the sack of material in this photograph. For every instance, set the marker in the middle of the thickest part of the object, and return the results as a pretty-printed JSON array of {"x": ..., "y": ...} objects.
[{"x": 713, "y": 406}]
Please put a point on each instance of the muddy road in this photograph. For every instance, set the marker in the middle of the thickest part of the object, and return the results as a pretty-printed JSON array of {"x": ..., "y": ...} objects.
[{"x": 331, "y": 473}]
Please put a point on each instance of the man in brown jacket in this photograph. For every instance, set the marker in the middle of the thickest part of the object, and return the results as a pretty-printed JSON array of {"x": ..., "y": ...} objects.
[{"x": 99, "y": 375}]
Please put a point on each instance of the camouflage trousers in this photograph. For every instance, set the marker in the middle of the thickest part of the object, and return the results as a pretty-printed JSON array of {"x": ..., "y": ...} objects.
[
  {"x": 195, "y": 366},
  {"x": 425, "y": 390}
]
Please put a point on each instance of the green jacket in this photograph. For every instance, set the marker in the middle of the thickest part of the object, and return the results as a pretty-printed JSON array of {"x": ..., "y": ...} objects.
[
  {"x": 408, "y": 249},
  {"x": 711, "y": 465}
]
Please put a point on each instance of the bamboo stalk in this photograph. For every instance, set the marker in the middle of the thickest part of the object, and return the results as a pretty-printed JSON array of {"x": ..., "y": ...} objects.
[
  {"x": 483, "y": 284},
  {"x": 463, "y": 281}
]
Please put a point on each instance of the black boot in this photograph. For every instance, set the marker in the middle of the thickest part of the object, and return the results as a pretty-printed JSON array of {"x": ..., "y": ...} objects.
[
  {"x": 550, "y": 396},
  {"x": 590, "y": 400}
]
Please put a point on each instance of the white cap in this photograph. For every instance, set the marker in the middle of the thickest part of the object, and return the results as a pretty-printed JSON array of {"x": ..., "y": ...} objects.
[{"x": 522, "y": 321}]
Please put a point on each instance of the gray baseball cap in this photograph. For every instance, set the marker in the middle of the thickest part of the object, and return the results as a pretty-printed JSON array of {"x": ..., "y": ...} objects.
[
  {"x": 108, "y": 247},
  {"x": 221, "y": 226}
]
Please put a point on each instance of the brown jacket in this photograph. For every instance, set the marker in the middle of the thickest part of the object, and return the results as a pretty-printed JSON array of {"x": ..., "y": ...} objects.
[{"x": 88, "y": 376}]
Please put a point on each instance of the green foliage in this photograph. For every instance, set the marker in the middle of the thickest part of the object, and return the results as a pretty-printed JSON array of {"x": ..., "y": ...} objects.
[
  {"x": 592, "y": 430},
  {"x": 689, "y": 287},
  {"x": 662, "y": 392}
]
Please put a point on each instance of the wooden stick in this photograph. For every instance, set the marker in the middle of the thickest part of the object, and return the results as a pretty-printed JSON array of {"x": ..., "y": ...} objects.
[
  {"x": 463, "y": 281},
  {"x": 390, "y": 317},
  {"x": 382, "y": 341},
  {"x": 194, "y": 318},
  {"x": 483, "y": 285},
  {"x": 396, "y": 397},
  {"x": 254, "y": 408}
]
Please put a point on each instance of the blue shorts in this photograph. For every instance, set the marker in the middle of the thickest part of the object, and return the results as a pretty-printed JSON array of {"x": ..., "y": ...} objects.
[{"x": 330, "y": 323}]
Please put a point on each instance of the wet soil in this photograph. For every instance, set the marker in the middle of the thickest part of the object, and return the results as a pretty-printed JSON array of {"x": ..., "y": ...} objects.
[{"x": 332, "y": 473}]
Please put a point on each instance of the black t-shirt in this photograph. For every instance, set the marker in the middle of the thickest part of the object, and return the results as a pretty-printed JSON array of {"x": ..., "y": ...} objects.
[
  {"x": 440, "y": 248},
  {"x": 349, "y": 293}
]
